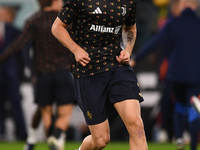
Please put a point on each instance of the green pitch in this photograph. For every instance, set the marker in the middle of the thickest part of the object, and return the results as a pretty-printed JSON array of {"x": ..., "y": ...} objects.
[{"x": 74, "y": 145}]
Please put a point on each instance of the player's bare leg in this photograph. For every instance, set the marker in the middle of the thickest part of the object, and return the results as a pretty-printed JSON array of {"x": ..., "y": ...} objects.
[
  {"x": 99, "y": 138},
  {"x": 129, "y": 111},
  {"x": 57, "y": 140},
  {"x": 47, "y": 117},
  {"x": 64, "y": 116}
]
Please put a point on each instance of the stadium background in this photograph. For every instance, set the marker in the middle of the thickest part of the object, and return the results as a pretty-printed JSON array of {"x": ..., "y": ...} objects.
[{"x": 151, "y": 16}]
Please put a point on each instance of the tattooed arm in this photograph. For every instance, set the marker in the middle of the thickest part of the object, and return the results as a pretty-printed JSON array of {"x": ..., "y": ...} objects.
[{"x": 128, "y": 38}]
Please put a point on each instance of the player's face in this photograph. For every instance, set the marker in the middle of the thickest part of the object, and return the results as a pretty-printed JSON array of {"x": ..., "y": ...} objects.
[
  {"x": 6, "y": 15},
  {"x": 175, "y": 9}
]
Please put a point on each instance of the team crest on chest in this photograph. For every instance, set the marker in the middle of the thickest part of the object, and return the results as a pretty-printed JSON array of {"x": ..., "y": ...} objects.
[
  {"x": 104, "y": 10},
  {"x": 124, "y": 11}
]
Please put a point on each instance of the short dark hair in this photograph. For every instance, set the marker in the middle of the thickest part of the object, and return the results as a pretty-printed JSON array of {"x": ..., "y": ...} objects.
[{"x": 45, "y": 3}]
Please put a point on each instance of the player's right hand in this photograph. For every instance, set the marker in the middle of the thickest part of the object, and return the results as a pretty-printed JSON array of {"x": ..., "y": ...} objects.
[{"x": 82, "y": 57}]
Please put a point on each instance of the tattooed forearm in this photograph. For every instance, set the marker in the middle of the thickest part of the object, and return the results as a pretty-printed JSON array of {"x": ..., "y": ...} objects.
[{"x": 130, "y": 37}]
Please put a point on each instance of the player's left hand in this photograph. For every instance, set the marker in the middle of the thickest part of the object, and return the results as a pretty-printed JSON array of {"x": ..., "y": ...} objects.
[{"x": 124, "y": 57}]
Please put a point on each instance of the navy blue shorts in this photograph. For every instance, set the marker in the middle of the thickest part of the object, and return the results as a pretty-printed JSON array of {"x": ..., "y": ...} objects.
[
  {"x": 97, "y": 94},
  {"x": 57, "y": 87}
]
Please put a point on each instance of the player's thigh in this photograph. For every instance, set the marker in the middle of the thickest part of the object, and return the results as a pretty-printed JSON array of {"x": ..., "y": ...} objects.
[
  {"x": 46, "y": 110},
  {"x": 129, "y": 111},
  {"x": 65, "y": 110},
  {"x": 100, "y": 131}
]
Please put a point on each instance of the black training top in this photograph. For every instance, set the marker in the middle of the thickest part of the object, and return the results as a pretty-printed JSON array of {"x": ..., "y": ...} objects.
[{"x": 97, "y": 28}]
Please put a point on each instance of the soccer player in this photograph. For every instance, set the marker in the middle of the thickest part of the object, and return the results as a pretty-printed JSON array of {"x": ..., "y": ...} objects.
[
  {"x": 52, "y": 61},
  {"x": 103, "y": 78}
]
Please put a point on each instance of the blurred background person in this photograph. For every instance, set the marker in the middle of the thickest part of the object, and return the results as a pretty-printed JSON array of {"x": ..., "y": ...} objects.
[
  {"x": 54, "y": 81},
  {"x": 10, "y": 76},
  {"x": 166, "y": 104},
  {"x": 179, "y": 37}
]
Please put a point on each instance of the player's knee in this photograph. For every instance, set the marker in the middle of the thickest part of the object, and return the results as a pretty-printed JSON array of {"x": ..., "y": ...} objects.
[
  {"x": 62, "y": 116},
  {"x": 102, "y": 142},
  {"x": 47, "y": 123},
  {"x": 135, "y": 124}
]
